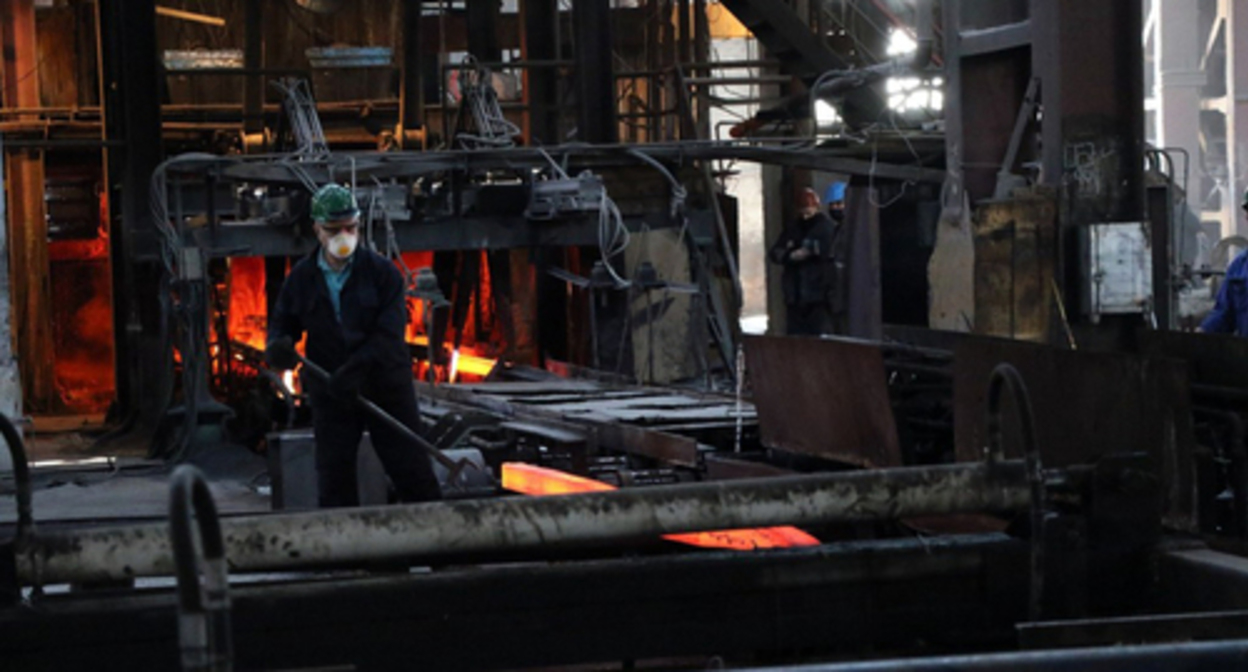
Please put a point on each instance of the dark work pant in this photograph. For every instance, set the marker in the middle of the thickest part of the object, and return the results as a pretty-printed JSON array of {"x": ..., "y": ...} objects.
[
  {"x": 810, "y": 319},
  {"x": 339, "y": 426}
]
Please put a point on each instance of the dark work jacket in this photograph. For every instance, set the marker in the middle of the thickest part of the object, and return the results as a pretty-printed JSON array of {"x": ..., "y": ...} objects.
[
  {"x": 815, "y": 279},
  {"x": 374, "y": 320}
]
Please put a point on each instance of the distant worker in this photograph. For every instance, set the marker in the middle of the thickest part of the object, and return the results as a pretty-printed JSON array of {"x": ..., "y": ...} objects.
[
  {"x": 834, "y": 198},
  {"x": 352, "y": 306},
  {"x": 810, "y": 250},
  {"x": 1230, "y": 312}
]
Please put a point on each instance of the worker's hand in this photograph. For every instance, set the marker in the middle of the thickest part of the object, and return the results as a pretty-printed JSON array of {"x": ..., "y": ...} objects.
[
  {"x": 346, "y": 382},
  {"x": 800, "y": 254},
  {"x": 281, "y": 354}
]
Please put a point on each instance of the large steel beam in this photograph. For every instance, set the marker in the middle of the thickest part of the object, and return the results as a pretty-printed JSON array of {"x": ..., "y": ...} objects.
[
  {"x": 465, "y": 528},
  {"x": 595, "y": 71},
  {"x": 483, "y": 30},
  {"x": 27, "y": 214},
  {"x": 414, "y": 164},
  {"x": 541, "y": 44},
  {"x": 411, "y": 91},
  {"x": 131, "y": 103},
  {"x": 444, "y": 234},
  {"x": 253, "y": 61},
  {"x": 10, "y": 380},
  {"x": 1093, "y": 126}
]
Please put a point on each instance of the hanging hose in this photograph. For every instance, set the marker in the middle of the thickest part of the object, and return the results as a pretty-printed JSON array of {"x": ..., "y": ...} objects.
[
  {"x": 10, "y": 591},
  {"x": 203, "y": 607},
  {"x": 1006, "y": 376}
]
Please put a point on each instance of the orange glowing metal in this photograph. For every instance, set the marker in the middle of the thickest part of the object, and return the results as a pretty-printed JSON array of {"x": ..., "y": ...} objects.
[
  {"x": 473, "y": 365},
  {"x": 533, "y": 480}
]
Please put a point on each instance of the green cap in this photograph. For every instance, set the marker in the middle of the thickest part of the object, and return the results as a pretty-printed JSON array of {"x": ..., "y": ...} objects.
[{"x": 333, "y": 202}]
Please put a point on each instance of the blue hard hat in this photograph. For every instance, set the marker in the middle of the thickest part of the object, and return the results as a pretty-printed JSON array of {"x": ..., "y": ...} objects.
[{"x": 835, "y": 193}]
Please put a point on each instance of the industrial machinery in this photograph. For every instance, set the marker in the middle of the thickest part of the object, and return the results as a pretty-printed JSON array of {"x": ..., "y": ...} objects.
[{"x": 1013, "y": 459}]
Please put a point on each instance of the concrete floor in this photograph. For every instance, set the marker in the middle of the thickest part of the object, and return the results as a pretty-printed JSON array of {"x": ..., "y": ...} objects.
[{"x": 75, "y": 481}]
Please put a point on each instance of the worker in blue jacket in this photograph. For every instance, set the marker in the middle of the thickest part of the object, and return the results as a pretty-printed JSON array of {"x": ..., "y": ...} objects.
[
  {"x": 351, "y": 303},
  {"x": 1230, "y": 312}
]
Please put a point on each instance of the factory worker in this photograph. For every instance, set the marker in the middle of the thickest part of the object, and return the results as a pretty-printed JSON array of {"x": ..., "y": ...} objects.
[
  {"x": 350, "y": 302},
  {"x": 810, "y": 251},
  {"x": 1230, "y": 312}
]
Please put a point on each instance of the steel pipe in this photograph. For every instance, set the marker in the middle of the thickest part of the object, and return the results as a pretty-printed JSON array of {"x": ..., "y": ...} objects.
[
  {"x": 1224, "y": 655},
  {"x": 347, "y": 536}
]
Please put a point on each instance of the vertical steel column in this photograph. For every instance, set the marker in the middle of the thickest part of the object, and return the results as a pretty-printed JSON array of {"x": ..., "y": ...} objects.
[
  {"x": 253, "y": 61},
  {"x": 411, "y": 92},
  {"x": 702, "y": 54},
  {"x": 1093, "y": 129},
  {"x": 132, "y": 116},
  {"x": 28, "y": 228},
  {"x": 595, "y": 72},
  {"x": 864, "y": 305},
  {"x": 686, "y": 34},
  {"x": 1092, "y": 134},
  {"x": 10, "y": 379},
  {"x": 483, "y": 30},
  {"x": 541, "y": 83},
  {"x": 984, "y": 94}
]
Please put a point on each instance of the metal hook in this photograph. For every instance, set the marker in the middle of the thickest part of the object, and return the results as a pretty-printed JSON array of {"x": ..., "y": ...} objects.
[
  {"x": 1006, "y": 376},
  {"x": 203, "y": 606}
]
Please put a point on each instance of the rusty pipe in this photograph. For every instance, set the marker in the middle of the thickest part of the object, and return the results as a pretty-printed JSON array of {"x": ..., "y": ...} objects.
[{"x": 363, "y": 535}]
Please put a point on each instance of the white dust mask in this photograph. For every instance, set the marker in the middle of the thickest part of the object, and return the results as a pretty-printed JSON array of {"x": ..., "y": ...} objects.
[{"x": 342, "y": 245}]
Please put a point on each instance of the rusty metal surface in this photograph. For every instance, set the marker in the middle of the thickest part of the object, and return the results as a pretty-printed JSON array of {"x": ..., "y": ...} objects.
[
  {"x": 824, "y": 398},
  {"x": 722, "y": 468},
  {"x": 464, "y": 527},
  {"x": 1086, "y": 405},
  {"x": 627, "y": 419},
  {"x": 662, "y": 446}
]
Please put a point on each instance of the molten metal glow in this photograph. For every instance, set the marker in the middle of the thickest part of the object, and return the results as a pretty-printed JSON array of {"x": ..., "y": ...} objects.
[
  {"x": 533, "y": 480},
  {"x": 248, "y": 310},
  {"x": 82, "y": 314},
  {"x": 472, "y": 364}
]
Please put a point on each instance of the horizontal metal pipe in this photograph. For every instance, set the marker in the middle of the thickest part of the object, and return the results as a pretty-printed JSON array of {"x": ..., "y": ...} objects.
[
  {"x": 348, "y": 536},
  {"x": 1224, "y": 655},
  {"x": 189, "y": 16}
]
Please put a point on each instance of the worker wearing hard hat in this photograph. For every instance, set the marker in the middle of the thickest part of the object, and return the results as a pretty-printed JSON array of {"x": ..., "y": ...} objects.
[
  {"x": 350, "y": 301},
  {"x": 810, "y": 250},
  {"x": 1230, "y": 312}
]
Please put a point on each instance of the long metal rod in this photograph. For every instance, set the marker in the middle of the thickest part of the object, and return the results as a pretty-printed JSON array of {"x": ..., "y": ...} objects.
[
  {"x": 393, "y": 423},
  {"x": 1225, "y": 655},
  {"x": 346, "y": 536}
]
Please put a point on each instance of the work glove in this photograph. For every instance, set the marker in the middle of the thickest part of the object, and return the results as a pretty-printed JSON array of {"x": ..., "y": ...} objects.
[
  {"x": 281, "y": 355},
  {"x": 345, "y": 383}
]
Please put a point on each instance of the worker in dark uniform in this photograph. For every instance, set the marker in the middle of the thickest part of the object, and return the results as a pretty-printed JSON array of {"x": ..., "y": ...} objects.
[
  {"x": 1230, "y": 312},
  {"x": 809, "y": 251},
  {"x": 351, "y": 304}
]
